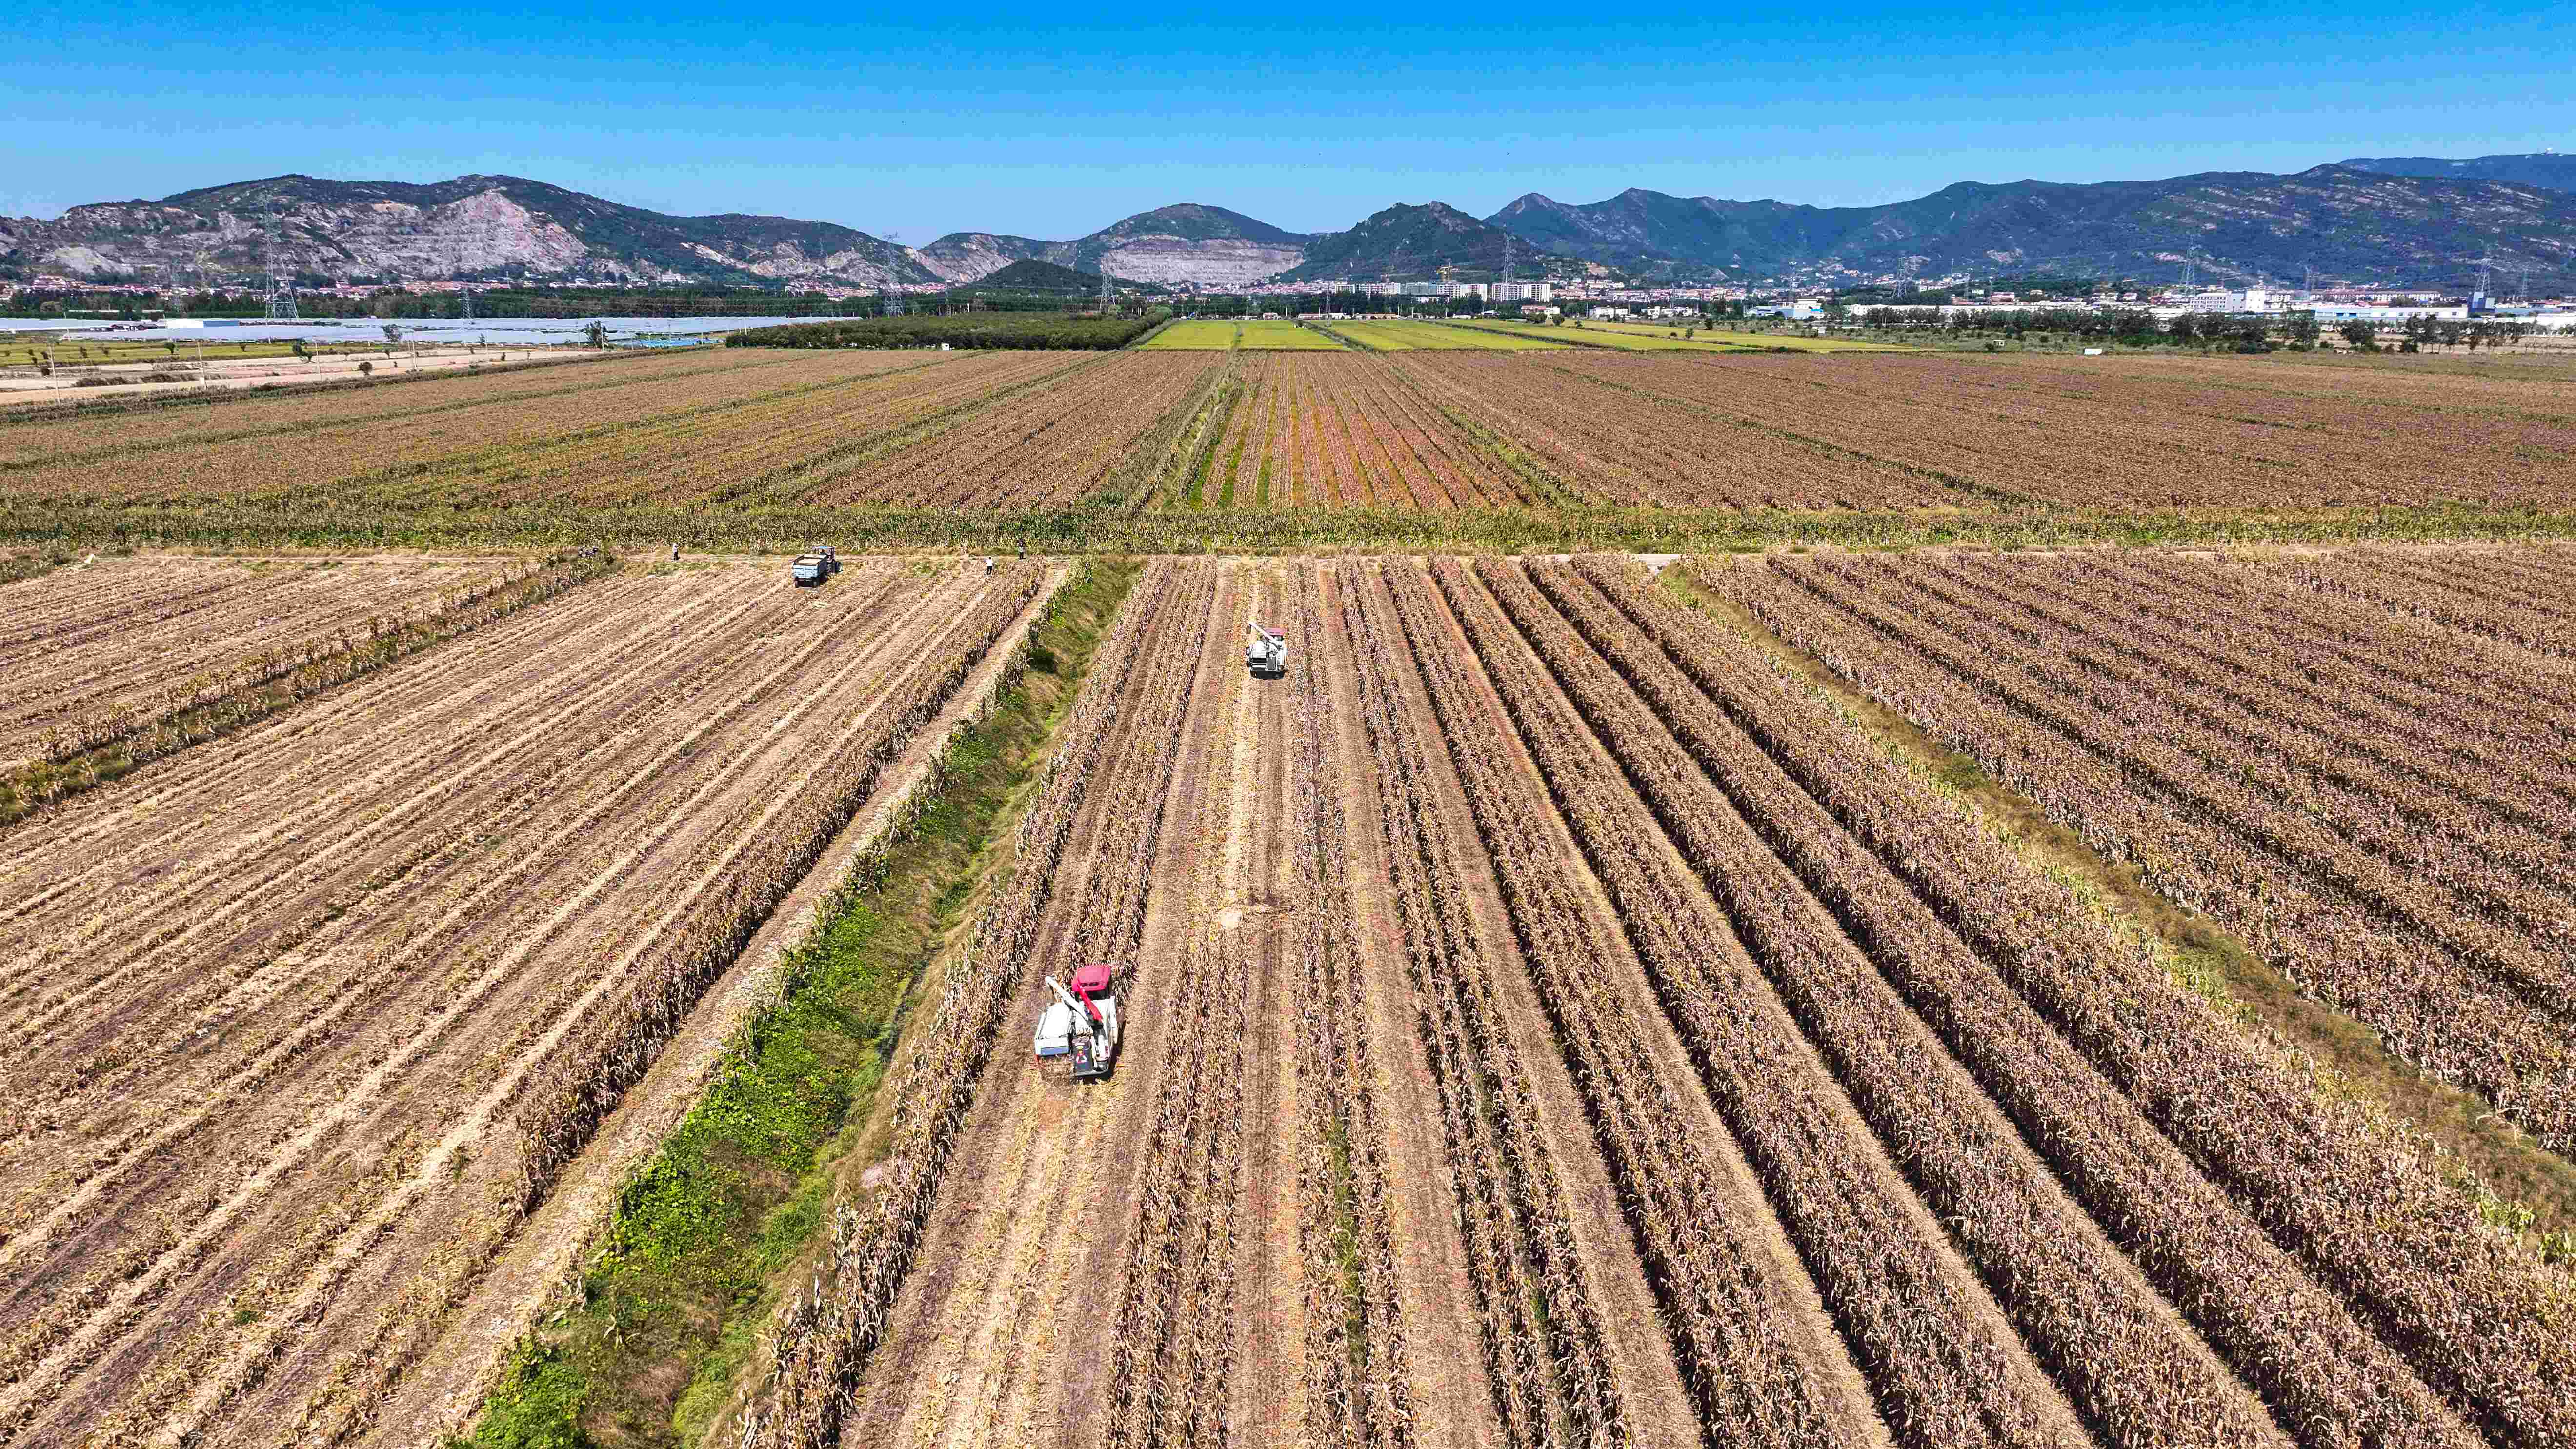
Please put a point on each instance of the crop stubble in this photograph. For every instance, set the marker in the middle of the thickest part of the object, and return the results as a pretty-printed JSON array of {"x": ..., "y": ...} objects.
[
  {"x": 1889, "y": 1138},
  {"x": 232, "y": 1207},
  {"x": 93, "y": 650}
]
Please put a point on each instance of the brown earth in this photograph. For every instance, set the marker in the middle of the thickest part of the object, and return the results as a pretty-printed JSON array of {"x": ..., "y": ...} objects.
[
  {"x": 278, "y": 993},
  {"x": 1359, "y": 1179}
]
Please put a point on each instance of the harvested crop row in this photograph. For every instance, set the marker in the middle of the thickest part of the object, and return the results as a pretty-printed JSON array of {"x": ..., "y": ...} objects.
[
  {"x": 1542, "y": 1337},
  {"x": 742, "y": 450},
  {"x": 392, "y": 447},
  {"x": 28, "y": 439},
  {"x": 89, "y": 652},
  {"x": 328, "y": 926},
  {"x": 1108, "y": 778},
  {"x": 2330, "y": 1379},
  {"x": 1053, "y": 445},
  {"x": 778, "y": 840},
  {"x": 997, "y": 1339},
  {"x": 2120, "y": 440},
  {"x": 1720, "y": 1307},
  {"x": 1627, "y": 445},
  {"x": 2368, "y": 1210},
  {"x": 1171, "y": 1359},
  {"x": 1359, "y": 1367},
  {"x": 2454, "y": 991}
]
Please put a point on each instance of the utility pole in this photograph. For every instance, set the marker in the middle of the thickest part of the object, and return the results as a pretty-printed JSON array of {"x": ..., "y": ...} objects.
[{"x": 281, "y": 292}]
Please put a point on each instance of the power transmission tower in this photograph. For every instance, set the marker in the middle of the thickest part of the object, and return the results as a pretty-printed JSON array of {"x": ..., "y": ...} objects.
[
  {"x": 469, "y": 301},
  {"x": 1104, "y": 285},
  {"x": 281, "y": 292},
  {"x": 2191, "y": 271}
]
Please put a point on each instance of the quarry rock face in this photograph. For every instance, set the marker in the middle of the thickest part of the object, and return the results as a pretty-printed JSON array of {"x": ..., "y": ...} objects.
[
  {"x": 1213, "y": 262},
  {"x": 971, "y": 256},
  {"x": 491, "y": 228}
]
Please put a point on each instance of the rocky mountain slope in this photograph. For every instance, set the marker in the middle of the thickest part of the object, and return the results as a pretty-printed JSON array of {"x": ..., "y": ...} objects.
[
  {"x": 2540, "y": 168},
  {"x": 2343, "y": 220},
  {"x": 2422, "y": 220},
  {"x": 486, "y": 227},
  {"x": 1404, "y": 243},
  {"x": 970, "y": 256},
  {"x": 1205, "y": 246}
]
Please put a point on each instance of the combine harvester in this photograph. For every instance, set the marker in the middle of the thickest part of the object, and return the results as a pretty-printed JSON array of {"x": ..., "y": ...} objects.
[
  {"x": 1081, "y": 1025},
  {"x": 1267, "y": 655}
]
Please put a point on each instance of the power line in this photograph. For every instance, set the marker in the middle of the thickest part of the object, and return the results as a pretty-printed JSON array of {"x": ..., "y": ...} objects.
[{"x": 281, "y": 292}]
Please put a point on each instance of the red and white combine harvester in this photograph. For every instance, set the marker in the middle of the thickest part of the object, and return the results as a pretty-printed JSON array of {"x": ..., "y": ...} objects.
[{"x": 1081, "y": 1026}]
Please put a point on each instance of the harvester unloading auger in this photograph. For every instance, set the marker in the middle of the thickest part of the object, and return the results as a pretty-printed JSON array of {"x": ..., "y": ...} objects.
[
  {"x": 1081, "y": 1026},
  {"x": 1266, "y": 654}
]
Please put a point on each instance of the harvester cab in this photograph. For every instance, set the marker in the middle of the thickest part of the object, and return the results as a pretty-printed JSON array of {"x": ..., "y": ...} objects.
[
  {"x": 1080, "y": 1027},
  {"x": 1266, "y": 655}
]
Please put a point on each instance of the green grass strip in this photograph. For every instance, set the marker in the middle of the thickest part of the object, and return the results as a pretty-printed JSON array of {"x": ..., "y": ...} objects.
[{"x": 713, "y": 1226}]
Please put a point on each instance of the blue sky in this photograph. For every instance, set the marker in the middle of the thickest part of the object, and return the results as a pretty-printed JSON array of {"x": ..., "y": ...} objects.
[{"x": 1053, "y": 123}]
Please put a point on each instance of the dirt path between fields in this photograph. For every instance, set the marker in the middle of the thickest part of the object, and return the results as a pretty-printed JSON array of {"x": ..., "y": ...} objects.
[
  {"x": 550, "y": 1246},
  {"x": 1041, "y": 1176},
  {"x": 263, "y": 1219}
]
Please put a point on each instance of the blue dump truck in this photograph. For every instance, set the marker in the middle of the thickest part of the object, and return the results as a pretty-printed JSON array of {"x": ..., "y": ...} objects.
[{"x": 815, "y": 566}]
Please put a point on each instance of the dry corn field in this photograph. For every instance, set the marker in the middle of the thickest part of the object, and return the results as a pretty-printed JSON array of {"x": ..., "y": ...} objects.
[
  {"x": 1415, "y": 431},
  {"x": 92, "y": 650},
  {"x": 1550, "y": 1023},
  {"x": 300, "y": 1021},
  {"x": 2360, "y": 762}
]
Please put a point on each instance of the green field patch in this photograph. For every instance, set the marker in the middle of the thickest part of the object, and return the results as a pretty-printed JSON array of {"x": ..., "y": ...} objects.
[
  {"x": 1408, "y": 336},
  {"x": 1281, "y": 335},
  {"x": 1202, "y": 335}
]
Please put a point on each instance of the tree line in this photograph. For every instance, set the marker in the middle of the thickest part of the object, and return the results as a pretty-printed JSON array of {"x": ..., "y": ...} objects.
[
  {"x": 2139, "y": 328},
  {"x": 1019, "y": 331}
]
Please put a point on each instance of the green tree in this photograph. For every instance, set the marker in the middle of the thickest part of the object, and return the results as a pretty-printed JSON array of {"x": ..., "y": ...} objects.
[{"x": 2361, "y": 335}]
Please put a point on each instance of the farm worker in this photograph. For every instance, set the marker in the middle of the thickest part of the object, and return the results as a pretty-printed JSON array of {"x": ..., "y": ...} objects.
[
  {"x": 988, "y": 563},
  {"x": 675, "y": 553}
]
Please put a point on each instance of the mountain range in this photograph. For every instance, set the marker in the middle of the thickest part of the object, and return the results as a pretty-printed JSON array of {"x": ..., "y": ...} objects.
[
  {"x": 2363, "y": 220},
  {"x": 2385, "y": 219}
]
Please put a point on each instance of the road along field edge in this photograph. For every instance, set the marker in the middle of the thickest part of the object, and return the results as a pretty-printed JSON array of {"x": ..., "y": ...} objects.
[
  {"x": 562, "y": 1235},
  {"x": 828, "y": 1331}
]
